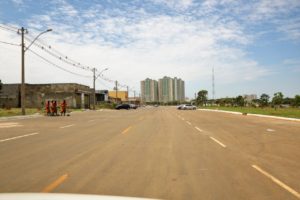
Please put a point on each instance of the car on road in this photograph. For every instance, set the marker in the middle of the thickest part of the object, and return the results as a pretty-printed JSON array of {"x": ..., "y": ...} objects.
[
  {"x": 123, "y": 106},
  {"x": 186, "y": 107},
  {"x": 133, "y": 106}
]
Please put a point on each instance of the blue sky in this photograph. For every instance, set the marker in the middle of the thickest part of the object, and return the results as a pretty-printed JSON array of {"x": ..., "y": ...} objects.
[{"x": 254, "y": 46}]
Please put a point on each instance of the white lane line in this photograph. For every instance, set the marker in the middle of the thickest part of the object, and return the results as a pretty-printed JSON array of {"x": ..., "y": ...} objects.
[
  {"x": 189, "y": 123},
  {"x": 217, "y": 141},
  {"x": 200, "y": 130},
  {"x": 278, "y": 182},
  {"x": 67, "y": 126},
  {"x": 17, "y": 137},
  {"x": 270, "y": 130},
  {"x": 10, "y": 126}
]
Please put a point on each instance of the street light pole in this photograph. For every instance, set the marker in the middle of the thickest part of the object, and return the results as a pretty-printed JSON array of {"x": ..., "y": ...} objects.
[
  {"x": 94, "y": 84},
  {"x": 94, "y": 90},
  {"x": 23, "y": 70},
  {"x": 23, "y": 31}
]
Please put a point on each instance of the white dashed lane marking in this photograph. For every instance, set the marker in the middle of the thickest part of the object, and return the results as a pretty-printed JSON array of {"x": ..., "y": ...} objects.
[
  {"x": 18, "y": 137},
  {"x": 189, "y": 123},
  {"x": 67, "y": 126},
  {"x": 200, "y": 130},
  {"x": 9, "y": 125},
  {"x": 217, "y": 141},
  {"x": 270, "y": 130},
  {"x": 278, "y": 182}
]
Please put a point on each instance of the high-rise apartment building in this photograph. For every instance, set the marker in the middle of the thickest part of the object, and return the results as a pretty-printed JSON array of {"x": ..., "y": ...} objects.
[
  {"x": 165, "y": 90},
  {"x": 149, "y": 90}
]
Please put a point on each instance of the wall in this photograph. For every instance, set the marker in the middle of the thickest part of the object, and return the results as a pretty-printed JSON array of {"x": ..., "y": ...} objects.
[{"x": 38, "y": 94}]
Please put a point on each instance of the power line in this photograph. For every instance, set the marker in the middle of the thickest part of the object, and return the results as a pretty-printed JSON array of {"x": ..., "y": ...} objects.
[
  {"x": 58, "y": 55},
  {"x": 10, "y": 43},
  {"x": 7, "y": 28},
  {"x": 10, "y": 26},
  {"x": 63, "y": 58},
  {"x": 57, "y": 66}
]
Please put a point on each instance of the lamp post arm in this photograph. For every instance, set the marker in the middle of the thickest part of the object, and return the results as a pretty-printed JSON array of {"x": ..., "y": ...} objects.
[{"x": 36, "y": 39}]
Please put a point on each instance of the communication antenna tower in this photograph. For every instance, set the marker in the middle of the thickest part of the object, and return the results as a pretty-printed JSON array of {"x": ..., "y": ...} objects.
[{"x": 213, "y": 83}]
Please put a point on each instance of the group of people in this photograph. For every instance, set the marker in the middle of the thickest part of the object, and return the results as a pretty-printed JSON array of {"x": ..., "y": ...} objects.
[{"x": 52, "y": 109}]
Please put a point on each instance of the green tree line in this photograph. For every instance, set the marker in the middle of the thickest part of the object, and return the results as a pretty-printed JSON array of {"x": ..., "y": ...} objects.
[{"x": 265, "y": 100}]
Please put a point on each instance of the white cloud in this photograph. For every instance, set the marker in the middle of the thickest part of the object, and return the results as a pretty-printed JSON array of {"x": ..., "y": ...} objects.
[
  {"x": 135, "y": 44},
  {"x": 175, "y": 4},
  {"x": 17, "y": 2}
]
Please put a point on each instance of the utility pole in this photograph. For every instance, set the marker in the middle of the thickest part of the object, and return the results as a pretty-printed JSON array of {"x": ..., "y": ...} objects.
[
  {"x": 116, "y": 88},
  {"x": 134, "y": 94},
  {"x": 127, "y": 93},
  {"x": 22, "y": 31},
  {"x": 94, "y": 90}
]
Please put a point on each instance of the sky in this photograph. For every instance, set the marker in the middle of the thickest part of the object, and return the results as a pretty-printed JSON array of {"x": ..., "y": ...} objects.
[{"x": 253, "y": 46}]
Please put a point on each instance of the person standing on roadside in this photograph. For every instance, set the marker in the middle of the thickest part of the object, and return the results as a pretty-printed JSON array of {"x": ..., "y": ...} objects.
[
  {"x": 63, "y": 107},
  {"x": 48, "y": 108},
  {"x": 52, "y": 110},
  {"x": 55, "y": 107}
]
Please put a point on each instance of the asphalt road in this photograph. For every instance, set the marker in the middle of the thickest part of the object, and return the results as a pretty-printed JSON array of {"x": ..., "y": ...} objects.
[{"x": 159, "y": 153}]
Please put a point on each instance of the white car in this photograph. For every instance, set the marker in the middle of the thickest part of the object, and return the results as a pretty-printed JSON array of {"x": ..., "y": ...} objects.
[{"x": 186, "y": 107}]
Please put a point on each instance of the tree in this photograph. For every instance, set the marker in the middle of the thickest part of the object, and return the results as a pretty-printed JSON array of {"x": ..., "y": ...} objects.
[
  {"x": 202, "y": 97},
  {"x": 288, "y": 101},
  {"x": 240, "y": 101},
  {"x": 255, "y": 102},
  {"x": 264, "y": 100},
  {"x": 277, "y": 99},
  {"x": 297, "y": 100}
]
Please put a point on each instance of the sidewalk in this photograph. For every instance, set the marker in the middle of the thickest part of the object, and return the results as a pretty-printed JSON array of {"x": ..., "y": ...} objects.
[{"x": 256, "y": 115}]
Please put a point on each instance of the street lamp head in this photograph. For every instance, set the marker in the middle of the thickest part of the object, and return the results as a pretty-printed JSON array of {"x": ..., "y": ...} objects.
[{"x": 50, "y": 29}]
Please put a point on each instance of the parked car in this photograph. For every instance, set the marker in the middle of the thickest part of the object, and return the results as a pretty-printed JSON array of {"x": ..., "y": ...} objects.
[
  {"x": 133, "y": 106},
  {"x": 123, "y": 106},
  {"x": 186, "y": 107}
]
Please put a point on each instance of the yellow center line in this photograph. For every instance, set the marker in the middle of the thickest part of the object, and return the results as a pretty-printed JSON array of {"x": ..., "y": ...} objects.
[
  {"x": 126, "y": 130},
  {"x": 55, "y": 184}
]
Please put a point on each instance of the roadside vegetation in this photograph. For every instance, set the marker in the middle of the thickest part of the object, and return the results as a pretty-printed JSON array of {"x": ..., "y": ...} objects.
[
  {"x": 281, "y": 112},
  {"x": 278, "y": 105},
  {"x": 105, "y": 106},
  {"x": 8, "y": 112}
]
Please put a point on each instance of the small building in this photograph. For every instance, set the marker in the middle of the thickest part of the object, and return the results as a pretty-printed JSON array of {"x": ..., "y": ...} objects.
[
  {"x": 123, "y": 95},
  {"x": 134, "y": 100},
  {"x": 76, "y": 95},
  {"x": 250, "y": 97},
  {"x": 101, "y": 95}
]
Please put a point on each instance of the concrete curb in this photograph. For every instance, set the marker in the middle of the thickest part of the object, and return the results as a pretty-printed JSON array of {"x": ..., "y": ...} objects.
[
  {"x": 256, "y": 115},
  {"x": 20, "y": 117}
]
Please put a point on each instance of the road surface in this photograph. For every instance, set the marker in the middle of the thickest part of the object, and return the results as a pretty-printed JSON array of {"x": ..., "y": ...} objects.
[{"x": 152, "y": 152}]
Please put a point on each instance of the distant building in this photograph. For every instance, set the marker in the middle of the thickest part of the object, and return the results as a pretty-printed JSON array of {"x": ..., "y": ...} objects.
[
  {"x": 179, "y": 90},
  {"x": 250, "y": 97},
  {"x": 164, "y": 90},
  {"x": 76, "y": 95},
  {"x": 101, "y": 95},
  {"x": 122, "y": 95},
  {"x": 149, "y": 90}
]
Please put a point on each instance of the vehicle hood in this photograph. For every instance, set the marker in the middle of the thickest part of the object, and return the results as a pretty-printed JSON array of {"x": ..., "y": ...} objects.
[{"x": 61, "y": 196}]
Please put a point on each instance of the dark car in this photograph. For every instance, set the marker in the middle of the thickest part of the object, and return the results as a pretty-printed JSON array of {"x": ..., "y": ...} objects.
[
  {"x": 133, "y": 106},
  {"x": 123, "y": 106}
]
